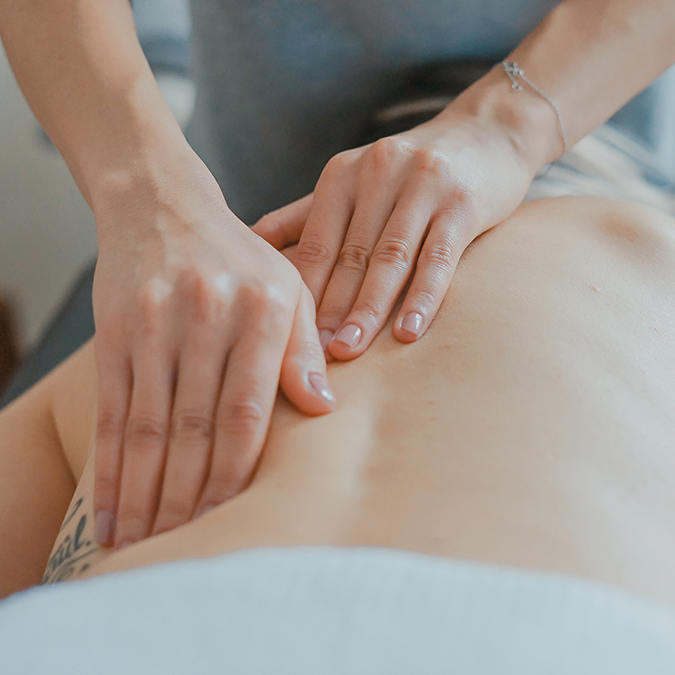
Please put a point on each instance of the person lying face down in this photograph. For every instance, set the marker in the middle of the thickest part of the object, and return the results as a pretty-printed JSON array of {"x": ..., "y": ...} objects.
[{"x": 533, "y": 426}]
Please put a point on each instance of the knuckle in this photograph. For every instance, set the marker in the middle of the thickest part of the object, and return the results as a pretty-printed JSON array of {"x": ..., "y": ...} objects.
[
  {"x": 464, "y": 202},
  {"x": 268, "y": 306},
  {"x": 144, "y": 431},
  {"x": 243, "y": 417},
  {"x": 202, "y": 297},
  {"x": 339, "y": 164},
  {"x": 393, "y": 252},
  {"x": 432, "y": 162},
  {"x": 269, "y": 222},
  {"x": 312, "y": 251},
  {"x": 385, "y": 151},
  {"x": 190, "y": 425},
  {"x": 152, "y": 298},
  {"x": 440, "y": 254},
  {"x": 355, "y": 256},
  {"x": 109, "y": 423},
  {"x": 273, "y": 298}
]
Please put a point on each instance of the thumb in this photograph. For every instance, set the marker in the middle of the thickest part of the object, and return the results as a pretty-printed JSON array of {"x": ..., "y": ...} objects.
[
  {"x": 284, "y": 226},
  {"x": 303, "y": 371}
]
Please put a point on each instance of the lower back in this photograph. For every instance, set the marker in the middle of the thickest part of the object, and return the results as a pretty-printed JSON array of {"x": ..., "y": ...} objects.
[{"x": 533, "y": 426}]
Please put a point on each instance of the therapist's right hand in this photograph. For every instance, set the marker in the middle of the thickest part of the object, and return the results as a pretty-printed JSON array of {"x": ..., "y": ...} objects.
[{"x": 198, "y": 321}]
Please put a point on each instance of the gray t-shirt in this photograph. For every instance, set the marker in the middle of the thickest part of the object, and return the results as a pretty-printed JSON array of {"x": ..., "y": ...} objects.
[{"x": 285, "y": 84}]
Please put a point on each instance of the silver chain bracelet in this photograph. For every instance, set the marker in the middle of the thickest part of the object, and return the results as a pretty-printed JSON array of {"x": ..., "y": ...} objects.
[{"x": 516, "y": 73}]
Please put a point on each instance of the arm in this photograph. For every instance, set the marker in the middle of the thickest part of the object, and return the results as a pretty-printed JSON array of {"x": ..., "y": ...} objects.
[
  {"x": 591, "y": 57},
  {"x": 413, "y": 202},
  {"x": 45, "y": 438},
  {"x": 36, "y": 485},
  {"x": 84, "y": 74},
  {"x": 198, "y": 320}
]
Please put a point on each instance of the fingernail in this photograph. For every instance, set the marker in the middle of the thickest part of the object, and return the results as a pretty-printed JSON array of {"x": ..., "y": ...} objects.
[
  {"x": 321, "y": 387},
  {"x": 349, "y": 335},
  {"x": 325, "y": 336},
  {"x": 412, "y": 323},
  {"x": 104, "y": 528}
]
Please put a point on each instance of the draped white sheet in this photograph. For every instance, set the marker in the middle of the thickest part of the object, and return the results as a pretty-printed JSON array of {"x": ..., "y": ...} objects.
[{"x": 330, "y": 611}]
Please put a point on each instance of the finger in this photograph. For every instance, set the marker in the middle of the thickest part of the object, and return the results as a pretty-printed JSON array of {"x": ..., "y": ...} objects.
[
  {"x": 244, "y": 409},
  {"x": 389, "y": 270},
  {"x": 375, "y": 202},
  {"x": 114, "y": 392},
  {"x": 448, "y": 238},
  {"x": 284, "y": 226},
  {"x": 144, "y": 445},
  {"x": 192, "y": 426},
  {"x": 303, "y": 372},
  {"x": 327, "y": 223}
]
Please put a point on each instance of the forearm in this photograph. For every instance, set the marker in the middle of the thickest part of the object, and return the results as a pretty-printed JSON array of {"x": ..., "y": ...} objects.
[
  {"x": 590, "y": 57},
  {"x": 84, "y": 74},
  {"x": 36, "y": 485}
]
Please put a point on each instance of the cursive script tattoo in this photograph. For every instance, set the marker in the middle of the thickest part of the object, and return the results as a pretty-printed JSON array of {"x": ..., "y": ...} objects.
[
  {"x": 71, "y": 553},
  {"x": 71, "y": 515}
]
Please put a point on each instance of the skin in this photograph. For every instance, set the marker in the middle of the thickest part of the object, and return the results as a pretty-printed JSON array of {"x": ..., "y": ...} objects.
[
  {"x": 199, "y": 400},
  {"x": 408, "y": 205},
  {"x": 534, "y": 426},
  {"x": 169, "y": 248}
]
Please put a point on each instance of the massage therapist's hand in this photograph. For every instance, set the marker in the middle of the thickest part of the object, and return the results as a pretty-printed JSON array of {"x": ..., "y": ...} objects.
[
  {"x": 406, "y": 205},
  {"x": 198, "y": 319}
]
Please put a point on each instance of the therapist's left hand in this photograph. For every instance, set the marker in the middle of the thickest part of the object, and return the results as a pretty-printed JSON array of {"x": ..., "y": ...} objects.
[{"x": 405, "y": 205}]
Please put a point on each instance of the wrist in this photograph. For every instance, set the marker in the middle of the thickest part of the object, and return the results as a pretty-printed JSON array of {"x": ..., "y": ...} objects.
[
  {"x": 163, "y": 189},
  {"x": 128, "y": 135},
  {"x": 526, "y": 120}
]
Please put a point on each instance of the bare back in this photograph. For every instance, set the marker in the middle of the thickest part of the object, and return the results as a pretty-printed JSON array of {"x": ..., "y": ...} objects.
[{"x": 533, "y": 426}]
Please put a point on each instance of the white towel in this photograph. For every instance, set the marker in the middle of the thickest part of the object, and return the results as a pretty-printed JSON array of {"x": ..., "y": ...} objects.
[{"x": 330, "y": 611}]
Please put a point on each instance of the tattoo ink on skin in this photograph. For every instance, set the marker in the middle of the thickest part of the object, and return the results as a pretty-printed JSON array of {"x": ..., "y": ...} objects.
[{"x": 72, "y": 551}]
